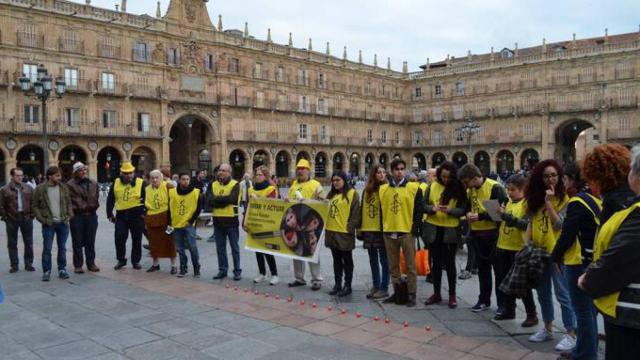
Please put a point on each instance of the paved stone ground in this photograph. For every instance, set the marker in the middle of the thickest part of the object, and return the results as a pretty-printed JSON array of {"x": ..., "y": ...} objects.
[{"x": 134, "y": 315}]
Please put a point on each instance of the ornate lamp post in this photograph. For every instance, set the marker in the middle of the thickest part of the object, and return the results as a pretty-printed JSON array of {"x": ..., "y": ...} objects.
[
  {"x": 466, "y": 131},
  {"x": 42, "y": 88}
]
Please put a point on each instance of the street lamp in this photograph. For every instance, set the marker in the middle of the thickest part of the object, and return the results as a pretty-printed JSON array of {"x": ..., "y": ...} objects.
[
  {"x": 467, "y": 130},
  {"x": 42, "y": 88}
]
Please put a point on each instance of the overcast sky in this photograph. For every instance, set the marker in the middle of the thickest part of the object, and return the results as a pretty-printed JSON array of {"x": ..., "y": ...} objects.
[{"x": 413, "y": 30}]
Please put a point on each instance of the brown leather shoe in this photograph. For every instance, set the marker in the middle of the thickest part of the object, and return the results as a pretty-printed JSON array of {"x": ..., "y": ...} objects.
[
  {"x": 531, "y": 320},
  {"x": 93, "y": 268},
  {"x": 78, "y": 270}
]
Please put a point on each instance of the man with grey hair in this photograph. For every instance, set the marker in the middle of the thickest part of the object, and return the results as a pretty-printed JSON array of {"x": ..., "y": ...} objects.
[
  {"x": 84, "y": 193},
  {"x": 224, "y": 198},
  {"x": 431, "y": 175}
]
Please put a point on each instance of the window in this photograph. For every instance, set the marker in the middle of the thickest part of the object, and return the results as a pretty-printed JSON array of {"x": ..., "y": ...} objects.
[
  {"x": 234, "y": 65},
  {"x": 436, "y": 114},
  {"x": 209, "y": 62},
  {"x": 109, "y": 119},
  {"x": 624, "y": 123},
  {"x": 321, "y": 106},
  {"x": 280, "y": 73},
  {"x": 260, "y": 99},
  {"x": 529, "y": 129},
  {"x": 437, "y": 138},
  {"x": 303, "y": 77},
  {"x": 458, "y": 111},
  {"x": 396, "y": 137},
  {"x": 71, "y": 78},
  {"x": 257, "y": 71},
  {"x": 144, "y": 122},
  {"x": 438, "y": 90},
  {"x": 383, "y": 136},
  {"x": 369, "y": 136},
  {"x": 321, "y": 81},
  {"x": 108, "y": 82},
  {"x": 418, "y": 92},
  {"x": 460, "y": 88},
  {"x": 72, "y": 117},
  {"x": 282, "y": 102},
  {"x": 31, "y": 114},
  {"x": 173, "y": 57},
  {"x": 323, "y": 132},
  {"x": 417, "y": 137},
  {"x": 303, "y": 104},
  {"x": 302, "y": 131},
  {"x": 30, "y": 71},
  {"x": 417, "y": 115},
  {"x": 141, "y": 51},
  {"x": 367, "y": 89}
]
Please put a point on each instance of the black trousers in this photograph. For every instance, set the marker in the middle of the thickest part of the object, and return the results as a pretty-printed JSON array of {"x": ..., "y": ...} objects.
[
  {"x": 342, "y": 265},
  {"x": 621, "y": 343},
  {"x": 83, "y": 237},
  {"x": 443, "y": 255},
  {"x": 484, "y": 244},
  {"x": 271, "y": 261},
  {"x": 125, "y": 224},
  {"x": 472, "y": 261},
  {"x": 25, "y": 225},
  {"x": 507, "y": 303}
]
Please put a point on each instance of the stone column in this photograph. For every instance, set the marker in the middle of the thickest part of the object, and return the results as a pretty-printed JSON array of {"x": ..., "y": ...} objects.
[{"x": 92, "y": 163}]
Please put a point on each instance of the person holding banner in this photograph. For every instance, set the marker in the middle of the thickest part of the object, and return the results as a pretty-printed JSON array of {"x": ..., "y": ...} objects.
[
  {"x": 305, "y": 188},
  {"x": 263, "y": 188},
  {"x": 342, "y": 221},
  {"x": 401, "y": 203},
  {"x": 370, "y": 233}
]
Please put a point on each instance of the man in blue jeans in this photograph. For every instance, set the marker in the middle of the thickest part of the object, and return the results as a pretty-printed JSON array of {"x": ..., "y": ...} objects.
[
  {"x": 52, "y": 208},
  {"x": 185, "y": 204},
  {"x": 224, "y": 198}
]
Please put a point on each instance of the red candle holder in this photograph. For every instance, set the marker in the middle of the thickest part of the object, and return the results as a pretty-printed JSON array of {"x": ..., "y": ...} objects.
[
  {"x": 376, "y": 318},
  {"x": 358, "y": 314}
]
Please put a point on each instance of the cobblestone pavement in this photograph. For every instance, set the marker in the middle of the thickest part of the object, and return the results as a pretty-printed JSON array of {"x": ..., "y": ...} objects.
[{"x": 131, "y": 314}]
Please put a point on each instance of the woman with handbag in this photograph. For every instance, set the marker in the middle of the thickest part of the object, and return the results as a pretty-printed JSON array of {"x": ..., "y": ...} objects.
[
  {"x": 445, "y": 203},
  {"x": 156, "y": 201}
]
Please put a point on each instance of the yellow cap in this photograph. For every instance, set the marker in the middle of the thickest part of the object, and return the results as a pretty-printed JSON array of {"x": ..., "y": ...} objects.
[
  {"x": 304, "y": 164},
  {"x": 127, "y": 167}
]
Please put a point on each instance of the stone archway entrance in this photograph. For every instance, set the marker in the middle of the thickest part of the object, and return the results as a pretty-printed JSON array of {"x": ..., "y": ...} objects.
[
  {"x": 321, "y": 165},
  {"x": 354, "y": 165},
  {"x": 573, "y": 139},
  {"x": 459, "y": 159},
  {"x": 483, "y": 162},
  {"x": 144, "y": 160},
  {"x": 108, "y": 164},
  {"x": 504, "y": 162},
  {"x": 282, "y": 164},
  {"x": 237, "y": 161},
  {"x": 189, "y": 136},
  {"x": 437, "y": 159},
  {"x": 30, "y": 160},
  {"x": 260, "y": 158},
  {"x": 67, "y": 157}
]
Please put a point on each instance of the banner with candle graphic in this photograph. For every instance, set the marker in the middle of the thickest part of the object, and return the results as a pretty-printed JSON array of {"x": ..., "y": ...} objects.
[{"x": 293, "y": 230}]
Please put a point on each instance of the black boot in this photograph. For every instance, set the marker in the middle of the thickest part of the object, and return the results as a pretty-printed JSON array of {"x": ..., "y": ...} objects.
[
  {"x": 196, "y": 271},
  {"x": 346, "y": 290},
  {"x": 391, "y": 299},
  {"x": 411, "y": 300},
  {"x": 337, "y": 287}
]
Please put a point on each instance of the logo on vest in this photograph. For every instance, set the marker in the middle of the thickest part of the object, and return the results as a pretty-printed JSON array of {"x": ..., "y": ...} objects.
[
  {"x": 182, "y": 209},
  {"x": 127, "y": 193},
  {"x": 544, "y": 223},
  {"x": 156, "y": 201},
  {"x": 334, "y": 212},
  {"x": 395, "y": 205},
  {"x": 372, "y": 209}
]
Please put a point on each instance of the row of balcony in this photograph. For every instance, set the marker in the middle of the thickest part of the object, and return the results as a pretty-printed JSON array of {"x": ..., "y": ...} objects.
[
  {"x": 291, "y": 138},
  {"x": 80, "y": 128}
]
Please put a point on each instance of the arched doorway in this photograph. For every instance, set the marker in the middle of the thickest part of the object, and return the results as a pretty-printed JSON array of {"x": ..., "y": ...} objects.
[
  {"x": 67, "y": 157},
  {"x": 237, "y": 161},
  {"x": 354, "y": 165},
  {"x": 437, "y": 159},
  {"x": 459, "y": 159},
  {"x": 338, "y": 161},
  {"x": 321, "y": 165},
  {"x": 504, "y": 162},
  {"x": 384, "y": 160},
  {"x": 302, "y": 155},
  {"x": 108, "y": 164},
  {"x": 419, "y": 162},
  {"x": 144, "y": 160},
  {"x": 204, "y": 160},
  {"x": 573, "y": 140},
  {"x": 483, "y": 162},
  {"x": 3, "y": 170},
  {"x": 30, "y": 160},
  {"x": 282, "y": 164},
  {"x": 260, "y": 158},
  {"x": 189, "y": 135},
  {"x": 369, "y": 161},
  {"x": 529, "y": 159}
]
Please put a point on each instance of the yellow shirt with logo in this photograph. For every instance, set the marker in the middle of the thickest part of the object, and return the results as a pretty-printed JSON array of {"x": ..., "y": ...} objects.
[
  {"x": 542, "y": 232},
  {"x": 512, "y": 238},
  {"x": 262, "y": 193},
  {"x": 397, "y": 207},
  {"x": 371, "y": 212},
  {"x": 439, "y": 218},
  {"x": 476, "y": 197},
  {"x": 231, "y": 210},
  {"x": 182, "y": 207},
  {"x": 308, "y": 189},
  {"x": 127, "y": 196},
  {"x": 573, "y": 256},
  {"x": 339, "y": 211},
  {"x": 156, "y": 199}
]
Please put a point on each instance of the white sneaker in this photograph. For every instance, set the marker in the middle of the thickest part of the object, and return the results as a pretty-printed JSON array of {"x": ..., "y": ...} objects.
[
  {"x": 274, "y": 280},
  {"x": 541, "y": 336},
  {"x": 566, "y": 344},
  {"x": 259, "y": 279}
]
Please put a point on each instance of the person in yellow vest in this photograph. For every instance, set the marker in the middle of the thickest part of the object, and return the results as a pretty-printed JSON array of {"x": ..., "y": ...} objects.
[
  {"x": 161, "y": 244},
  {"x": 185, "y": 204},
  {"x": 342, "y": 221},
  {"x": 510, "y": 242},
  {"x": 546, "y": 199},
  {"x": 370, "y": 233},
  {"x": 401, "y": 203},
  {"x": 574, "y": 250},
  {"x": 224, "y": 198},
  {"x": 613, "y": 278},
  {"x": 305, "y": 188},
  {"x": 484, "y": 231},
  {"x": 445, "y": 203},
  {"x": 263, "y": 188},
  {"x": 127, "y": 196}
]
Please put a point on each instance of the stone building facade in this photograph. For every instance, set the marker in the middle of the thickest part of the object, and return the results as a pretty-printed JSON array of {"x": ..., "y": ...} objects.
[{"x": 176, "y": 91}]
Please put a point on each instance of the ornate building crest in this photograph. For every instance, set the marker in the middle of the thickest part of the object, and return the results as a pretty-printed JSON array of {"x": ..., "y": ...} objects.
[
  {"x": 190, "y": 11},
  {"x": 192, "y": 57}
]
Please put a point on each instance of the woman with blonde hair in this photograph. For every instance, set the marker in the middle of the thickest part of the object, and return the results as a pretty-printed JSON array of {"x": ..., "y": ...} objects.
[{"x": 161, "y": 244}]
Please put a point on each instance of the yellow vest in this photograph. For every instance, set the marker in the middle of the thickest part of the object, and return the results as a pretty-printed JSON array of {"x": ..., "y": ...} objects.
[
  {"x": 573, "y": 256},
  {"x": 182, "y": 207},
  {"x": 542, "y": 232},
  {"x": 439, "y": 218},
  {"x": 607, "y": 304},
  {"x": 127, "y": 196},
  {"x": 262, "y": 193},
  {"x": 512, "y": 238},
  {"x": 371, "y": 213},
  {"x": 339, "y": 210},
  {"x": 156, "y": 200},
  {"x": 218, "y": 189},
  {"x": 423, "y": 188},
  {"x": 476, "y": 197},
  {"x": 397, "y": 207},
  {"x": 307, "y": 189}
]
